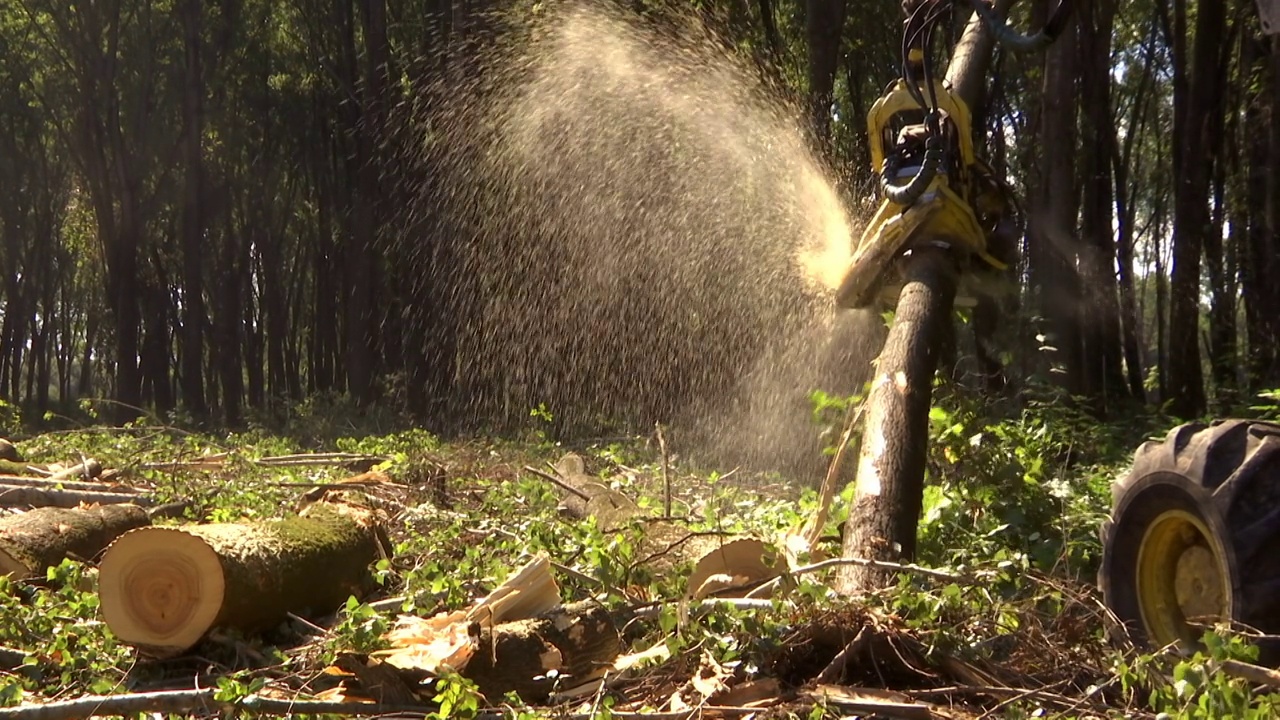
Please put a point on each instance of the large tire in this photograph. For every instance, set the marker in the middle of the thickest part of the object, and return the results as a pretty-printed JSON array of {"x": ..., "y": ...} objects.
[{"x": 1194, "y": 534}]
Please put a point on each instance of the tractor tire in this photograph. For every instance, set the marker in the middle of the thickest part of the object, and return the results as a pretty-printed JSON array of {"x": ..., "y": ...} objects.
[{"x": 1194, "y": 535}]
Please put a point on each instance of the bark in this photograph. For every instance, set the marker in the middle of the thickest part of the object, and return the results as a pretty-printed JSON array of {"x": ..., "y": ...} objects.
[
  {"x": 193, "y": 224},
  {"x": 163, "y": 588},
  {"x": 578, "y": 641},
  {"x": 41, "y": 538},
  {"x": 890, "y": 479},
  {"x": 26, "y": 496},
  {"x": 1102, "y": 374},
  {"x": 1192, "y": 165},
  {"x": 1052, "y": 224}
]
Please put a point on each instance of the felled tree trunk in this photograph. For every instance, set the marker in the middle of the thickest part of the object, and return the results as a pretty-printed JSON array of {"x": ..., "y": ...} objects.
[
  {"x": 163, "y": 588},
  {"x": 35, "y": 540},
  {"x": 562, "y": 648}
]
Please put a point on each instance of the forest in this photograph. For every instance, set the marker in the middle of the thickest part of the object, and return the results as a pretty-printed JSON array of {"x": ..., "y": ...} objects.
[
  {"x": 420, "y": 330},
  {"x": 220, "y": 209}
]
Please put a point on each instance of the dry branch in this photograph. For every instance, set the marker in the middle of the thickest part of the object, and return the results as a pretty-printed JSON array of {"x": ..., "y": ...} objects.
[
  {"x": 214, "y": 462},
  {"x": 40, "y": 538},
  {"x": 186, "y": 702},
  {"x": 1255, "y": 674},
  {"x": 163, "y": 588},
  {"x": 50, "y": 482},
  {"x": 90, "y": 468},
  {"x": 24, "y": 496}
]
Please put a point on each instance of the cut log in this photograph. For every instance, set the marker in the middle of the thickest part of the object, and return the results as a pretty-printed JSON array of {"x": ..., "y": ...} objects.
[
  {"x": 22, "y": 496},
  {"x": 9, "y": 452},
  {"x": 163, "y": 588},
  {"x": 33, "y": 541},
  {"x": 48, "y": 482},
  {"x": 564, "y": 647}
]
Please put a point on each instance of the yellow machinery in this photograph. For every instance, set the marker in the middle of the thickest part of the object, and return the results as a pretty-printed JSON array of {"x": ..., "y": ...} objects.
[{"x": 935, "y": 191}]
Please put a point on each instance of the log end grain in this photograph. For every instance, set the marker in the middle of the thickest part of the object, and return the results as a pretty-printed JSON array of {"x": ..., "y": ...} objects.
[{"x": 161, "y": 589}]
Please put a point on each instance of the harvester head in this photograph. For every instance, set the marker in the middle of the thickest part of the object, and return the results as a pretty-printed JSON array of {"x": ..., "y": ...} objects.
[{"x": 934, "y": 191}]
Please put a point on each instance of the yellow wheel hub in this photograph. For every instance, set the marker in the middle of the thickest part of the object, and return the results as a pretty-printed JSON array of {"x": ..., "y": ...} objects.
[{"x": 1182, "y": 577}]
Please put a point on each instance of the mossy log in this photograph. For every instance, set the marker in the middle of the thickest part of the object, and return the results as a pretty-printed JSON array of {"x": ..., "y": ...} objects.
[
  {"x": 40, "y": 538},
  {"x": 163, "y": 588},
  {"x": 564, "y": 647}
]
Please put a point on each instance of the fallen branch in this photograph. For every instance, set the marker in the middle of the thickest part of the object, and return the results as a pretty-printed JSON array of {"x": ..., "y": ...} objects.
[
  {"x": 1255, "y": 674},
  {"x": 19, "y": 496},
  {"x": 186, "y": 702},
  {"x": 49, "y": 482},
  {"x": 90, "y": 468},
  {"x": 557, "y": 482}
]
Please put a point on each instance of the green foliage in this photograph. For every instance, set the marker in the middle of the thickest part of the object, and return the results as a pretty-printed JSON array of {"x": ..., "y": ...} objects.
[
  {"x": 58, "y": 626},
  {"x": 1195, "y": 687},
  {"x": 1034, "y": 482}
]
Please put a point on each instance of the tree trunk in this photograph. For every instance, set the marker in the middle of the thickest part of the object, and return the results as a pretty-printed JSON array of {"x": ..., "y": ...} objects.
[
  {"x": 1103, "y": 376},
  {"x": 193, "y": 224},
  {"x": 1191, "y": 220},
  {"x": 889, "y": 487},
  {"x": 1052, "y": 226},
  {"x": 824, "y": 24}
]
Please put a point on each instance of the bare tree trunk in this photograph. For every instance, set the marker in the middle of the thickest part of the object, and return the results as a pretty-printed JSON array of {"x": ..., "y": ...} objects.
[
  {"x": 889, "y": 488},
  {"x": 1191, "y": 217},
  {"x": 823, "y": 25},
  {"x": 1101, "y": 358},
  {"x": 193, "y": 223},
  {"x": 1052, "y": 227}
]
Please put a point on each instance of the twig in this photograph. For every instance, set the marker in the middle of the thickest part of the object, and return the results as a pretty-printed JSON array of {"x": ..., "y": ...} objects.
[
  {"x": 307, "y": 624},
  {"x": 1061, "y": 701},
  {"x": 835, "y": 669},
  {"x": 828, "y": 493},
  {"x": 1015, "y": 698},
  {"x": 666, "y": 473},
  {"x": 88, "y": 468},
  {"x": 557, "y": 482}
]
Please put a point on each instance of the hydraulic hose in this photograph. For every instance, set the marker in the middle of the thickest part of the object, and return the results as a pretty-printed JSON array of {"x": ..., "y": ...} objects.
[
  {"x": 1015, "y": 40},
  {"x": 909, "y": 193}
]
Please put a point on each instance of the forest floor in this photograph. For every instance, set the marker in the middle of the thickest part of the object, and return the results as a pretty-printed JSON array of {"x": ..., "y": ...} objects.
[{"x": 1004, "y": 622}]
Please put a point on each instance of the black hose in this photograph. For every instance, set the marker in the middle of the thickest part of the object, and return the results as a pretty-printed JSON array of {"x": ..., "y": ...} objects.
[
  {"x": 909, "y": 193},
  {"x": 1015, "y": 40}
]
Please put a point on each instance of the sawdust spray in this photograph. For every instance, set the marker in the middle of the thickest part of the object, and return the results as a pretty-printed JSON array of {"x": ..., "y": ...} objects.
[{"x": 645, "y": 236}]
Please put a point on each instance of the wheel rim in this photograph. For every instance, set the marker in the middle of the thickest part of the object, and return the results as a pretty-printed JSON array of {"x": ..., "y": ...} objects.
[{"x": 1181, "y": 577}]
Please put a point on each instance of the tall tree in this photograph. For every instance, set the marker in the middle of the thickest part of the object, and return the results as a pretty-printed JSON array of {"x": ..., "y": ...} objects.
[{"x": 1193, "y": 161}]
